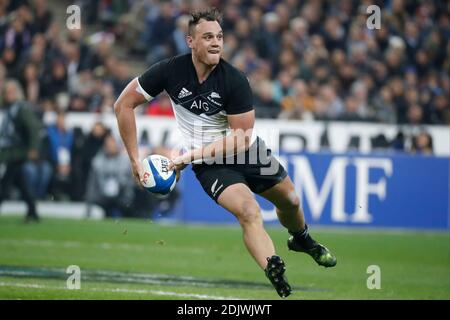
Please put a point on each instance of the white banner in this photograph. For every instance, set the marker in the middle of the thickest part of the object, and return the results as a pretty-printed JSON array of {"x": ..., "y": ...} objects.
[{"x": 291, "y": 136}]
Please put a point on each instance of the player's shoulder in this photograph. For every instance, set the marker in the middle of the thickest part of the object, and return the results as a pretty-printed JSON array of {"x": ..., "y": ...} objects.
[
  {"x": 178, "y": 61},
  {"x": 166, "y": 71},
  {"x": 231, "y": 70},
  {"x": 233, "y": 74}
]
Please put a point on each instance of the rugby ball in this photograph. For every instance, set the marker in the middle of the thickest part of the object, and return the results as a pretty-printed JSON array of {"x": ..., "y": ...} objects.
[{"x": 157, "y": 177}]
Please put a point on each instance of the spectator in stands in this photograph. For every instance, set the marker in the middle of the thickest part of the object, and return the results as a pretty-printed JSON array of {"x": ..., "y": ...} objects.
[
  {"x": 78, "y": 104},
  {"x": 91, "y": 146},
  {"x": 110, "y": 184},
  {"x": 179, "y": 35},
  {"x": 160, "y": 33},
  {"x": 230, "y": 48},
  {"x": 422, "y": 144},
  {"x": 108, "y": 98},
  {"x": 440, "y": 109},
  {"x": 2, "y": 77},
  {"x": 131, "y": 25},
  {"x": 398, "y": 97},
  {"x": 329, "y": 105},
  {"x": 109, "y": 12},
  {"x": 31, "y": 83},
  {"x": 77, "y": 175},
  {"x": 359, "y": 90},
  {"x": 16, "y": 40},
  {"x": 39, "y": 171},
  {"x": 299, "y": 28},
  {"x": 398, "y": 143},
  {"x": 118, "y": 74},
  {"x": 300, "y": 104},
  {"x": 415, "y": 114},
  {"x": 265, "y": 104},
  {"x": 282, "y": 86},
  {"x": 384, "y": 107},
  {"x": 42, "y": 16},
  {"x": 351, "y": 112},
  {"x": 19, "y": 143},
  {"x": 60, "y": 144},
  {"x": 3, "y": 22},
  {"x": 269, "y": 40},
  {"x": 56, "y": 81}
]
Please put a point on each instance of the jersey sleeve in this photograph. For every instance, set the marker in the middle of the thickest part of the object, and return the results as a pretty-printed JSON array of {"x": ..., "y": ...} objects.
[
  {"x": 240, "y": 96},
  {"x": 153, "y": 81}
]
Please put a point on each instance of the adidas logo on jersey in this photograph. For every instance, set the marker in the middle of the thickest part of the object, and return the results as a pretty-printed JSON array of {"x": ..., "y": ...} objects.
[{"x": 184, "y": 93}]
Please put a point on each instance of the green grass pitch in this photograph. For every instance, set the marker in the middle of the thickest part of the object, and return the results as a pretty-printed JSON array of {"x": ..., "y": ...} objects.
[{"x": 137, "y": 259}]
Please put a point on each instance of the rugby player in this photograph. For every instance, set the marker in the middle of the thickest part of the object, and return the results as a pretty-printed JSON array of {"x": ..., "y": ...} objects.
[{"x": 212, "y": 102}]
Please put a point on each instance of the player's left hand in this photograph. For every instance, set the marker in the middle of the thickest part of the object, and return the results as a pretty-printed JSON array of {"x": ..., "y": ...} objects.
[{"x": 177, "y": 164}]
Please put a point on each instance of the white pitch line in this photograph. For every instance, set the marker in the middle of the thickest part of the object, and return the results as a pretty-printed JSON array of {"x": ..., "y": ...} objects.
[
  {"x": 141, "y": 291},
  {"x": 103, "y": 245}
]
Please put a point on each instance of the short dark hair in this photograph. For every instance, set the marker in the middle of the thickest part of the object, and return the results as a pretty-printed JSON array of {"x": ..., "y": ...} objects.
[{"x": 208, "y": 14}]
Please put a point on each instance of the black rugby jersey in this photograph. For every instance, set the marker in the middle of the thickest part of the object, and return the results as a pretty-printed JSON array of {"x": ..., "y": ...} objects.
[{"x": 200, "y": 109}]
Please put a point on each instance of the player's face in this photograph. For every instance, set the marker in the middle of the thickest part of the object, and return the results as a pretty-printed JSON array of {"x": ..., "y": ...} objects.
[{"x": 207, "y": 42}]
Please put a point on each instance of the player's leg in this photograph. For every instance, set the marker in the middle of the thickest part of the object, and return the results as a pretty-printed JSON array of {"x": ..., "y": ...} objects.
[
  {"x": 239, "y": 200},
  {"x": 287, "y": 203},
  {"x": 228, "y": 187},
  {"x": 290, "y": 214}
]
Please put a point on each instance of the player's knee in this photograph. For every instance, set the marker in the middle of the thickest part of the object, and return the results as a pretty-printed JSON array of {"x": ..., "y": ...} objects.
[
  {"x": 250, "y": 213},
  {"x": 291, "y": 203}
]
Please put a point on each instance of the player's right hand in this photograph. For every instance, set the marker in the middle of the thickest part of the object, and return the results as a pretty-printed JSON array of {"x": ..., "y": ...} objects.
[{"x": 138, "y": 172}]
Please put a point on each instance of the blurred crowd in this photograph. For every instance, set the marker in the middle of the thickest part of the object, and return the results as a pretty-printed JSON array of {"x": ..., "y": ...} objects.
[
  {"x": 305, "y": 59},
  {"x": 310, "y": 59},
  {"x": 58, "y": 162},
  {"x": 59, "y": 69},
  {"x": 47, "y": 71}
]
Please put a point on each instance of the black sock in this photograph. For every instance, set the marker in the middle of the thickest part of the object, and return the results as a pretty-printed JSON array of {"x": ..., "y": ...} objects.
[{"x": 303, "y": 238}]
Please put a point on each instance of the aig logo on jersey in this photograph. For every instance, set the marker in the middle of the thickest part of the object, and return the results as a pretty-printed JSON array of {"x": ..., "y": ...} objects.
[
  {"x": 208, "y": 103},
  {"x": 200, "y": 105}
]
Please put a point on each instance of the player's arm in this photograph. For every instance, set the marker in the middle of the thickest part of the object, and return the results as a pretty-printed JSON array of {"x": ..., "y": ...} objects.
[
  {"x": 236, "y": 142},
  {"x": 129, "y": 99},
  {"x": 139, "y": 90}
]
